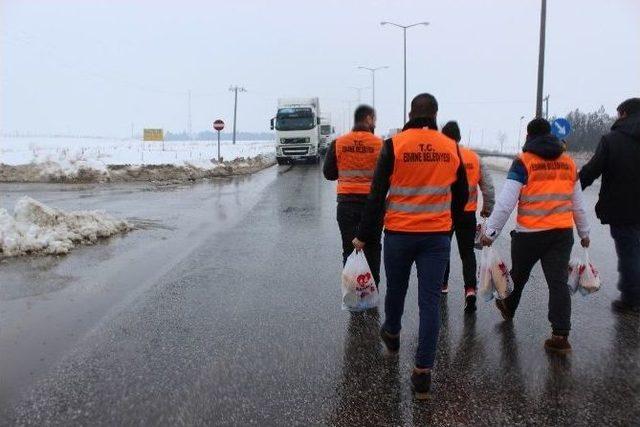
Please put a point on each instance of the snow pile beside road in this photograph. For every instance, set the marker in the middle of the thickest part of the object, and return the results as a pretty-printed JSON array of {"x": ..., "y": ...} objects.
[
  {"x": 38, "y": 228},
  {"x": 497, "y": 163},
  {"x": 99, "y": 160}
]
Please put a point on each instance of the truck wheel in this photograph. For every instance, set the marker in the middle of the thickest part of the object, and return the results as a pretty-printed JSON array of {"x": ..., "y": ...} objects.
[{"x": 281, "y": 161}]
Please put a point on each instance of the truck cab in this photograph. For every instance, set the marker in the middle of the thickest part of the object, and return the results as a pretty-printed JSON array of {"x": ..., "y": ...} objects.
[
  {"x": 297, "y": 125},
  {"x": 327, "y": 133}
]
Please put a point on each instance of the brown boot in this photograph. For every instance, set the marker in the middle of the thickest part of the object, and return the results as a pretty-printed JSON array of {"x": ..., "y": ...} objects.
[{"x": 558, "y": 344}]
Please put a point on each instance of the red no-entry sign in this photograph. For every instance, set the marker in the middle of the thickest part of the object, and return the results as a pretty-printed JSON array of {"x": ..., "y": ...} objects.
[{"x": 218, "y": 125}]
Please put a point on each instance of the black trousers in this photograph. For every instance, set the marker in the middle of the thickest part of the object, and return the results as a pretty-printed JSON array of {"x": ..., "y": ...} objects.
[
  {"x": 465, "y": 236},
  {"x": 553, "y": 249},
  {"x": 349, "y": 215}
]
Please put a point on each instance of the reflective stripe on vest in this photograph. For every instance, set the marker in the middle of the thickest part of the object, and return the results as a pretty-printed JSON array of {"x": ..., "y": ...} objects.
[
  {"x": 419, "y": 191},
  {"x": 545, "y": 201},
  {"x": 356, "y": 156},
  {"x": 355, "y": 173},
  {"x": 471, "y": 162},
  {"x": 419, "y": 197}
]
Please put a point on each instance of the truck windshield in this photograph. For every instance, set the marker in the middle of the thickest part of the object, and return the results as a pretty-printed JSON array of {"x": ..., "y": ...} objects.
[
  {"x": 295, "y": 119},
  {"x": 325, "y": 129}
]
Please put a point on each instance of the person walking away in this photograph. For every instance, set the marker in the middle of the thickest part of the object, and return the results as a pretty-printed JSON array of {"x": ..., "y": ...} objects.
[
  {"x": 351, "y": 160},
  {"x": 616, "y": 159},
  {"x": 478, "y": 177},
  {"x": 543, "y": 182},
  {"x": 421, "y": 177}
]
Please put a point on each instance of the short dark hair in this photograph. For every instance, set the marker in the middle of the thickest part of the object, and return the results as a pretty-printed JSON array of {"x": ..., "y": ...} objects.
[
  {"x": 538, "y": 127},
  {"x": 362, "y": 112},
  {"x": 424, "y": 105},
  {"x": 452, "y": 130},
  {"x": 630, "y": 106}
]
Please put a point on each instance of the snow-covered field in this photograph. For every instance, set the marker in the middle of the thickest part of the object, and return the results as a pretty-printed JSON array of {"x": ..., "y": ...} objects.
[
  {"x": 497, "y": 163},
  {"x": 57, "y": 159},
  {"x": 35, "y": 228}
]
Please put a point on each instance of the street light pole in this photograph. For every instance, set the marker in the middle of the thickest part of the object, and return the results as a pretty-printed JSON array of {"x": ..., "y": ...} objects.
[
  {"x": 235, "y": 89},
  {"x": 404, "y": 103},
  {"x": 543, "y": 24},
  {"x": 404, "y": 34},
  {"x": 373, "y": 82}
]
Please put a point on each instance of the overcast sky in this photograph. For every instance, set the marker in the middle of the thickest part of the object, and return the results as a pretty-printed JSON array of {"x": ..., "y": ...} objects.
[{"x": 96, "y": 67}]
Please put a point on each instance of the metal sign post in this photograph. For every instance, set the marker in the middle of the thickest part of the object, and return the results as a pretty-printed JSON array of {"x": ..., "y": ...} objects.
[{"x": 218, "y": 125}]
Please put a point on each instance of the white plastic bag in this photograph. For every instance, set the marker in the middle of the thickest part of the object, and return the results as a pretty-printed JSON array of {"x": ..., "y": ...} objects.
[
  {"x": 575, "y": 270},
  {"x": 493, "y": 276},
  {"x": 359, "y": 290},
  {"x": 480, "y": 229},
  {"x": 589, "y": 277}
]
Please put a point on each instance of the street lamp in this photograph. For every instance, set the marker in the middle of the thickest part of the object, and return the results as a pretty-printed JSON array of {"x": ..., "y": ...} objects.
[
  {"x": 404, "y": 32},
  {"x": 373, "y": 81}
]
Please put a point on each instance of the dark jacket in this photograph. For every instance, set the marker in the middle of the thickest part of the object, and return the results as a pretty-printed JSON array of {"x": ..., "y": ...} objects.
[
  {"x": 330, "y": 169},
  {"x": 546, "y": 146},
  {"x": 375, "y": 207},
  {"x": 617, "y": 159}
]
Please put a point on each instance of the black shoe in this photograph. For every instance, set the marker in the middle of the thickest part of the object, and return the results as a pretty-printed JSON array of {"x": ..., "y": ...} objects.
[
  {"x": 622, "y": 307},
  {"x": 421, "y": 384},
  {"x": 470, "y": 301},
  {"x": 392, "y": 342},
  {"x": 506, "y": 313}
]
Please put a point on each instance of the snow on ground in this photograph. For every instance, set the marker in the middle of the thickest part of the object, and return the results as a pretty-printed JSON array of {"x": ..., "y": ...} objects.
[
  {"x": 87, "y": 159},
  {"x": 35, "y": 228},
  {"x": 497, "y": 163}
]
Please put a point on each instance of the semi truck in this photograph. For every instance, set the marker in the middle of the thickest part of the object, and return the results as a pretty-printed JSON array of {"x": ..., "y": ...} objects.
[
  {"x": 297, "y": 125},
  {"x": 326, "y": 134}
]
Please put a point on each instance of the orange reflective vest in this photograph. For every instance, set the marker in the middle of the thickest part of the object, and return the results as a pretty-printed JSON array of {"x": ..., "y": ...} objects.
[
  {"x": 419, "y": 197},
  {"x": 471, "y": 162},
  {"x": 545, "y": 200},
  {"x": 356, "y": 155}
]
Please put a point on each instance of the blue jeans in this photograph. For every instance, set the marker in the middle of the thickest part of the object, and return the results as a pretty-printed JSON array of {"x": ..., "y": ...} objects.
[
  {"x": 431, "y": 254},
  {"x": 627, "y": 240}
]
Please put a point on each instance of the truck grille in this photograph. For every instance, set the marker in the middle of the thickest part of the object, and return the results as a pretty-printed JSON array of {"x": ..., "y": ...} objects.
[
  {"x": 293, "y": 141},
  {"x": 295, "y": 151}
]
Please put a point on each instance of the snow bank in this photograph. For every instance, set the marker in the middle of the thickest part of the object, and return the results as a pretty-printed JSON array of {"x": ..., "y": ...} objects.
[
  {"x": 99, "y": 160},
  {"x": 497, "y": 163},
  {"x": 37, "y": 228}
]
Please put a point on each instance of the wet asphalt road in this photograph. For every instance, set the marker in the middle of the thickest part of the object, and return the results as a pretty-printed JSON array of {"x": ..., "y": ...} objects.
[{"x": 225, "y": 310}]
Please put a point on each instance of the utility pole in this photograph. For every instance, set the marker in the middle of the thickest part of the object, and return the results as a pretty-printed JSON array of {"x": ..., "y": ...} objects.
[
  {"x": 359, "y": 91},
  {"x": 189, "y": 118},
  {"x": 235, "y": 90},
  {"x": 543, "y": 23},
  {"x": 546, "y": 107},
  {"x": 519, "y": 134},
  {"x": 373, "y": 82}
]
